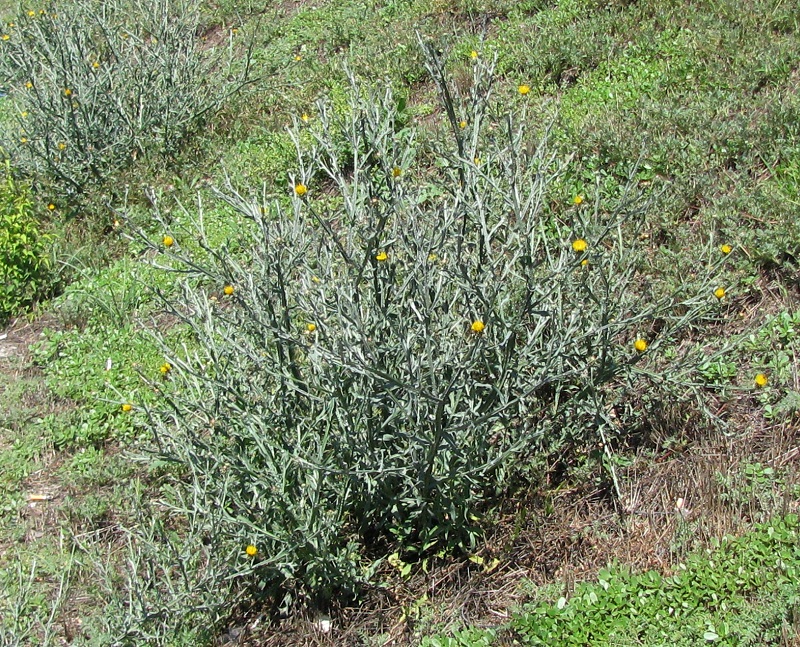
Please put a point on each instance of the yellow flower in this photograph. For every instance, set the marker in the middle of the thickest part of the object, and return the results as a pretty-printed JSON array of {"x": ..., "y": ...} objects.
[
  {"x": 298, "y": 58},
  {"x": 473, "y": 54},
  {"x": 126, "y": 407},
  {"x": 6, "y": 36},
  {"x": 432, "y": 257},
  {"x": 579, "y": 245},
  {"x": 640, "y": 345},
  {"x": 397, "y": 171},
  {"x": 726, "y": 249},
  {"x": 24, "y": 114},
  {"x": 51, "y": 206},
  {"x": 478, "y": 326},
  {"x": 96, "y": 64},
  {"x": 31, "y": 13},
  {"x": 166, "y": 367},
  {"x": 168, "y": 241},
  {"x": 29, "y": 85},
  {"x": 761, "y": 380},
  {"x": 477, "y": 161},
  {"x": 251, "y": 550},
  {"x": 228, "y": 290},
  {"x": 719, "y": 293},
  {"x": 300, "y": 190},
  {"x": 23, "y": 140},
  {"x": 585, "y": 262},
  {"x": 311, "y": 327},
  {"x": 462, "y": 124},
  {"x": 67, "y": 92},
  {"x": 381, "y": 257},
  {"x": 524, "y": 89},
  {"x": 305, "y": 117},
  {"x": 577, "y": 200},
  {"x": 61, "y": 146},
  {"x": 11, "y": 24}
]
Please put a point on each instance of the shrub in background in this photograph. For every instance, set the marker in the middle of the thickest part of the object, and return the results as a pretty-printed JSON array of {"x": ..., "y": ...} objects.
[
  {"x": 23, "y": 260},
  {"x": 400, "y": 340},
  {"x": 96, "y": 84}
]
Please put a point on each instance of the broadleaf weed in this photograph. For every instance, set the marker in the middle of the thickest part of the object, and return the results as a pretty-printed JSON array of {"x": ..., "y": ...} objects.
[{"x": 399, "y": 339}]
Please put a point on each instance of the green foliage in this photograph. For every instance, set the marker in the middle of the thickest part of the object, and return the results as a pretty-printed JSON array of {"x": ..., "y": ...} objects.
[
  {"x": 462, "y": 638},
  {"x": 24, "y": 268},
  {"x": 372, "y": 369},
  {"x": 96, "y": 361},
  {"x": 741, "y": 593},
  {"x": 96, "y": 84}
]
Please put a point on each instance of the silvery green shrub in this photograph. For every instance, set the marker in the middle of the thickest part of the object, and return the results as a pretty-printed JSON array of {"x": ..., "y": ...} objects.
[
  {"x": 94, "y": 85},
  {"x": 413, "y": 322}
]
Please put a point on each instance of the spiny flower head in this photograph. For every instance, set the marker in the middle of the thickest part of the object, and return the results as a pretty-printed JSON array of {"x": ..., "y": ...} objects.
[
  {"x": 300, "y": 190},
  {"x": 251, "y": 550},
  {"x": 228, "y": 290},
  {"x": 524, "y": 89},
  {"x": 579, "y": 245},
  {"x": 640, "y": 345},
  {"x": 726, "y": 249},
  {"x": 478, "y": 326}
]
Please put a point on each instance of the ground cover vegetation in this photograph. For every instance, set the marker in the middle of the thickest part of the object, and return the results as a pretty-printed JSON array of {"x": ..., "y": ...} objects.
[{"x": 354, "y": 303}]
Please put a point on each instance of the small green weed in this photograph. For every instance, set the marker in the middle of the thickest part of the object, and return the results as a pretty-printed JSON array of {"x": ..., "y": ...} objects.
[{"x": 24, "y": 267}]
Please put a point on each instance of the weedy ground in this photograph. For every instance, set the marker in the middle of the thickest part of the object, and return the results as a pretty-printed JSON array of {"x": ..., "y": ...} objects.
[{"x": 697, "y": 103}]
